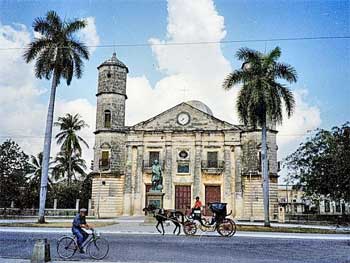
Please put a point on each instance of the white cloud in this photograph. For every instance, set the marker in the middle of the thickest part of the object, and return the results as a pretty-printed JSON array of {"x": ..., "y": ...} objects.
[
  {"x": 22, "y": 114},
  {"x": 89, "y": 34},
  {"x": 294, "y": 130},
  {"x": 200, "y": 69}
]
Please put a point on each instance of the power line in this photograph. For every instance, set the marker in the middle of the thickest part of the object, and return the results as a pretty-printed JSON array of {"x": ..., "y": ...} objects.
[
  {"x": 206, "y": 42},
  {"x": 41, "y": 137}
]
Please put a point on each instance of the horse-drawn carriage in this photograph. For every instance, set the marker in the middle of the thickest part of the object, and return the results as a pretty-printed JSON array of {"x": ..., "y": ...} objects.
[{"x": 219, "y": 222}]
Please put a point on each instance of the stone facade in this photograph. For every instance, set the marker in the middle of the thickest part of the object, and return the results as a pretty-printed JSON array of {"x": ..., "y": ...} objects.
[{"x": 200, "y": 155}]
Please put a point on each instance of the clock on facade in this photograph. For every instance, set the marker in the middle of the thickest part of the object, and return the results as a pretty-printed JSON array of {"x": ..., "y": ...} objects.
[{"x": 183, "y": 118}]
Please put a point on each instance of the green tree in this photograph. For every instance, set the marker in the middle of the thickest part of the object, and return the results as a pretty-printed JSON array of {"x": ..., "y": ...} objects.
[
  {"x": 68, "y": 137},
  {"x": 36, "y": 169},
  {"x": 321, "y": 165},
  {"x": 57, "y": 54},
  {"x": 260, "y": 98},
  {"x": 63, "y": 162},
  {"x": 14, "y": 167}
]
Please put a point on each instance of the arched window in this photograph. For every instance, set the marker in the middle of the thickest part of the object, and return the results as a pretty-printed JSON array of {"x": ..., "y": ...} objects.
[{"x": 107, "y": 119}]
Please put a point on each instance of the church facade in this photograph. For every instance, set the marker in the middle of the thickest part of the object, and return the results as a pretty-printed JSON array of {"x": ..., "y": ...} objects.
[{"x": 200, "y": 155}]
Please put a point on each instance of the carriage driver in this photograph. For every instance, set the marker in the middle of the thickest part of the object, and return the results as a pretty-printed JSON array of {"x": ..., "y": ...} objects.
[
  {"x": 79, "y": 223},
  {"x": 197, "y": 204}
]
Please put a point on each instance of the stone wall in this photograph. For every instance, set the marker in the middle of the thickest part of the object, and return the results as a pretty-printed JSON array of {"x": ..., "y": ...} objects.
[
  {"x": 112, "y": 79},
  {"x": 115, "y": 143},
  {"x": 116, "y": 105},
  {"x": 109, "y": 194},
  {"x": 253, "y": 198}
]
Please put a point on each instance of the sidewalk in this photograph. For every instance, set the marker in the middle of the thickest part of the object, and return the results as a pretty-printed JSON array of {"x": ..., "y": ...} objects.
[{"x": 135, "y": 221}]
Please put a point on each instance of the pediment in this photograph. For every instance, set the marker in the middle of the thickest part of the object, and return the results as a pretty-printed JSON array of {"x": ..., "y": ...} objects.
[{"x": 169, "y": 120}]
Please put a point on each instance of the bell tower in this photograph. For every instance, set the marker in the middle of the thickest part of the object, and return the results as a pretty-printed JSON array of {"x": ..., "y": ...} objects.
[{"x": 109, "y": 149}]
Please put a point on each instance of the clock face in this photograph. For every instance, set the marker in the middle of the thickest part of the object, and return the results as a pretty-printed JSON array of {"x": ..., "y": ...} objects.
[{"x": 183, "y": 118}]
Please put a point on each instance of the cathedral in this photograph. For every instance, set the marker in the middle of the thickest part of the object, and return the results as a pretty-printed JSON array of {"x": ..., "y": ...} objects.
[{"x": 200, "y": 155}]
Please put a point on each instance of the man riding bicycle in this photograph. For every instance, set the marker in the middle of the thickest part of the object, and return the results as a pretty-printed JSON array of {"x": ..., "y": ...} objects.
[{"x": 79, "y": 223}]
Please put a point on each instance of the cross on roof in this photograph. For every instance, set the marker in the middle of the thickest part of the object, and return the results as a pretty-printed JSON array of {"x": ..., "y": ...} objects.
[{"x": 184, "y": 90}]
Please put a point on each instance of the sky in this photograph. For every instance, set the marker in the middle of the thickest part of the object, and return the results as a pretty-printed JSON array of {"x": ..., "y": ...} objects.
[{"x": 162, "y": 76}]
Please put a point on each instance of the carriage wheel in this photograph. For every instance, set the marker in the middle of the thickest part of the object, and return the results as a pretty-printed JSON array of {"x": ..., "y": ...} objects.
[
  {"x": 234, "y": 227},
  {"x": 226, "y": 228},
  {"x": 190, "y": 228}
]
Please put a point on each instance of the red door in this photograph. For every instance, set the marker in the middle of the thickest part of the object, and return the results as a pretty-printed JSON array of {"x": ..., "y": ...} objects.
[
  {"x": 212, "y": 194},
  {"x": 182, "y": 197}
]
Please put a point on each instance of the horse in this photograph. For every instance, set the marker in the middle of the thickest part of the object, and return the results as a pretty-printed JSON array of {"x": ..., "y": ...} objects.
[{"x": 163, "y": 215}]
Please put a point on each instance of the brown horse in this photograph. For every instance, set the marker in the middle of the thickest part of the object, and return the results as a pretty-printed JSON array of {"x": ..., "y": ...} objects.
[{"x": 163, "y": 215}]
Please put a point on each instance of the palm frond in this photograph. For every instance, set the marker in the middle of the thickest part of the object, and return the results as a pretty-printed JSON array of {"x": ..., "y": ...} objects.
[
  {"x": 34, "y": 48},
  {"x": 233, "y": 78},
  {"x": 248, "y": 55},
  {"x": 274, "y": 54},
  {"x": 74, "y": 26},
  {"x": 285, "y": 71},
  {"x": 288, "y": 99}
]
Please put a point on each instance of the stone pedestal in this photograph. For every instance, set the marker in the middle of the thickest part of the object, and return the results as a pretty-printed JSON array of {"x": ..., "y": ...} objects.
[{"x": 155, "y": 198}]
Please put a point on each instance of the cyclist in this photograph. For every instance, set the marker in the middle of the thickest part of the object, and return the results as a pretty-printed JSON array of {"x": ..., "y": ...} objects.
[{"x": 79, "y": 223}]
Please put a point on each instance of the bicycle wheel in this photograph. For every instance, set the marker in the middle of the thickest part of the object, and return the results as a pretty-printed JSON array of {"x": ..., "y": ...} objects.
[
  {"x": 98, "y": 248},
  {"x": 226, "y": 228},
  {"x": 66, "y": 247},
  {"x": 190, "y": 228}
]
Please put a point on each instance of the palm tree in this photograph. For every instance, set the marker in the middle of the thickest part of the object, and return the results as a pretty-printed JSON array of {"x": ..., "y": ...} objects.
[
  {"x": 63, "y": 162},
  {"x": 260, "y": 98},
  {"x": 36, "y": 169},
  {"x": 57, "y": 54},
  {"x": 68, "y": 138}
]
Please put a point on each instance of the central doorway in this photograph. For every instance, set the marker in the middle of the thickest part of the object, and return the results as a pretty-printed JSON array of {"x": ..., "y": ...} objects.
[
  {"x": 182, "y": 197},
  {"x": 212, "y": 194}
]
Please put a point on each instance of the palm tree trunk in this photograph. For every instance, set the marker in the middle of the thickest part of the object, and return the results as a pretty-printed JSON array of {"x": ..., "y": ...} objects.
[
  {"x": 70, "y": 168},
  {"x": 264, "y": 168},
  {"x": 46, "y": 152}
]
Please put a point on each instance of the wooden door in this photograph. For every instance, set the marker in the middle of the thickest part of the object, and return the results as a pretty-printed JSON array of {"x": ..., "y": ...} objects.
[
  {"x": 182, "y": 197},
  {"x": 212, "y": 194}
]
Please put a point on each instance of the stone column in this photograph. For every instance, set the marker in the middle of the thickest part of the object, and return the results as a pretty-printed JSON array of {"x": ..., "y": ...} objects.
[
  {"x": 168, "y": 169},
  {"x": 138, "y": 204},
  {"x": 197, "y": 176},
  {"x": 90, "y": 212},
  {"x": 77, "y": 201},
  {"x": 238, "y": 183},
  {"x": 127, "y": 183},
  {"x": 227, "y": 176}
]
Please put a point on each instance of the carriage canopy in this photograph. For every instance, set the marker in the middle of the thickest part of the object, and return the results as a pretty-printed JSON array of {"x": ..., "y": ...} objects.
[{"x": 218, "y": 208}]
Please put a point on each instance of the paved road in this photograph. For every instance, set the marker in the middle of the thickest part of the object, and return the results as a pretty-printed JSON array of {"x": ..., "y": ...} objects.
[{"x": 156, "y": 248}]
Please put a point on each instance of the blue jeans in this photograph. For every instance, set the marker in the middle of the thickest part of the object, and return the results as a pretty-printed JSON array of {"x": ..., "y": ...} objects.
[{"x": 80, "y": 234}]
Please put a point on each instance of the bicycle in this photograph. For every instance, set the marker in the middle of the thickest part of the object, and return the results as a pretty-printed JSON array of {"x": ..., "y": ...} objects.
[{"x": 96, "y": 246}]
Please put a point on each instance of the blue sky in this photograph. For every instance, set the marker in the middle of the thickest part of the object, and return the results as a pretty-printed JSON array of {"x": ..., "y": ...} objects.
[{"x": 323, "y": 66}]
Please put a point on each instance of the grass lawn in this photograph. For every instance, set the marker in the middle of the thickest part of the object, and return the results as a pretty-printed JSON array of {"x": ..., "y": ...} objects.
[{"x": 289, "y": 230}]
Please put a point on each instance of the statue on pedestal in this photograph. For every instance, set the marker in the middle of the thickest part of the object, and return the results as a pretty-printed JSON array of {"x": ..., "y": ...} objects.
[{"x": 157, "y": 179}]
